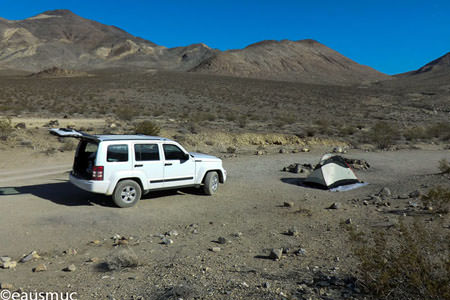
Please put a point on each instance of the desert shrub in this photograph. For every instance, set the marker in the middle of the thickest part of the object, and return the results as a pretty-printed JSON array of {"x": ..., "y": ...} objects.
[
  {"x": 242, "y": 122},
  {"x": 382, "y": 135},
  {"x": 323, "y": 126},
  {"x": 310, "y": 132},
  {"x": 125, "y": 113},
  {"x": 203, "y": 116},
  {"x": 6, "y": 129},
  {"x": 147, "y": 128},
  {"x": 412, "y": 264},
  {"x": 415, "y": 133},
  {"x": 437, "y": 198},
  {"x": 68, "y": 145},
  {"x": 347, "y": 130},
  {"x": 444, "y": 166},
  {"x": 439, "y": 130},
  {"x": 121, "y": 258}
]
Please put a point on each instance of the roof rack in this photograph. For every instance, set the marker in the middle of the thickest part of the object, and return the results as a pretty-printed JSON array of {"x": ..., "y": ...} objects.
[{"x": 67, "y": 132}]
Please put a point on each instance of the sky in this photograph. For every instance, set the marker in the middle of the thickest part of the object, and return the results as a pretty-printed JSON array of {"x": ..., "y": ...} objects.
[{"x": 393, "y": 36}]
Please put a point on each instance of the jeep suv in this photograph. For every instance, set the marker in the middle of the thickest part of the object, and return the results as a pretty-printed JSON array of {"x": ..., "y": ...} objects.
[{"x": 127, "y": 166}]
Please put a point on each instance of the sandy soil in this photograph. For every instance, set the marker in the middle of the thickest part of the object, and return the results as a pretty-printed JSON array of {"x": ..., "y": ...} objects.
[{"x": 41, "y": 211}]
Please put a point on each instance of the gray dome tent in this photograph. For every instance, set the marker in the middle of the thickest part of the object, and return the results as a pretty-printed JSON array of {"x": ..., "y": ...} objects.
[{"x": 332, "y": 171}]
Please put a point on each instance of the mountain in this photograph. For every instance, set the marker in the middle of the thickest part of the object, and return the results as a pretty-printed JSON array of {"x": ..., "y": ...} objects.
[
  {"x": 440, "y": 66},
  {"x": 306, "y": 61},
  {"x": 63, "y": 39}
]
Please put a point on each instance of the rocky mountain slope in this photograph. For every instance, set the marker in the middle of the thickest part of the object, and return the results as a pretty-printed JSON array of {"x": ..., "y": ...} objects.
[
  {"x": 306, "y": 61},
  {"x": 61, "y": 38}
]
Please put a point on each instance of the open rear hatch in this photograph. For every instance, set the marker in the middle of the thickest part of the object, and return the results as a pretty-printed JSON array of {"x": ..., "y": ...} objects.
[{"x": 86, "y": 153}]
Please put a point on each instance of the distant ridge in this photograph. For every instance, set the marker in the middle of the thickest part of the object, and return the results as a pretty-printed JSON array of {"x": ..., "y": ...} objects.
[
  {"x": 62, "y": 39},
  {"x": 306, "y": 61}
]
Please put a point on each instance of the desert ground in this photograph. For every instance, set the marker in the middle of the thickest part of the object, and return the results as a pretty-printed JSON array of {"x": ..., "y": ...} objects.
[
  {"x": 260, "y": 208},
  {"x": 265, "y": 235}
]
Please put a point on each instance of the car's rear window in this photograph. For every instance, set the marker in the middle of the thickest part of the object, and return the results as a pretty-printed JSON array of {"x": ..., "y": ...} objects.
[
  {"x": 117, "y": 153},
  {"x": 146, "y": 152}
]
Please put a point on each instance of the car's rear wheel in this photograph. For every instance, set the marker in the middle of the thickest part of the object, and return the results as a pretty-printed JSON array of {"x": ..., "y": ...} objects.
[
  {"x": 127, "y": 193},
  {"x": 211, "y": 183}
]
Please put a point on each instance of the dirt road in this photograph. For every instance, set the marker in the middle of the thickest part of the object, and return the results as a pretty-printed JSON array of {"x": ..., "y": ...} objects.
[{"x": 43, "y": 212}]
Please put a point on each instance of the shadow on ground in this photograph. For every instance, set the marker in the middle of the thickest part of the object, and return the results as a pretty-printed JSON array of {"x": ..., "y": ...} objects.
[{"x": 64, "y": 193}]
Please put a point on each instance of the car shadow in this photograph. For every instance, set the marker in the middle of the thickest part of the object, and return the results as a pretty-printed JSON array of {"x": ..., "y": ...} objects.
[{"x": 64, "y": 193}]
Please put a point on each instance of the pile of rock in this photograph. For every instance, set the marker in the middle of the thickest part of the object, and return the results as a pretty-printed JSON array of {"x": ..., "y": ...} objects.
[
  {"x": 357, "y": 164},
  {"x": 298, "y": 168}
]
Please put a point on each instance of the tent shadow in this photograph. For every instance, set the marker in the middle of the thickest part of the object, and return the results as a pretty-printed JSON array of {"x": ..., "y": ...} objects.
[
  {"x": 301, "y": 182},
  {"x": 64, "y": 193}
]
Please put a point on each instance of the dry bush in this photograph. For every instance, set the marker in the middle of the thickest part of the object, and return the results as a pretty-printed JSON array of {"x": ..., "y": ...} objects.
[
  {"x": 382, "y": 135},
  {"x": 121, "y": 258},
  {"x": 125, "y": 113},
  {"x": 68, "y": 145},
  {"x": 413, "y": 263},
  {"x": 444, "y": 166},
  {"x": 5, "y": 129},
  {"x": 439, "y": 130},
  {"x": 415, "y": 133},
  {"x": 147, "y": 128},
  {"x": 437, "y": 198}
]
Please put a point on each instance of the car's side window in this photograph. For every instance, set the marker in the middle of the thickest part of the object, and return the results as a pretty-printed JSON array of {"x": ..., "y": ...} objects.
[
  {"x": 117, "y": 153},
  {"x": 172, "y": 152},
  {"x": 146, "y": 152}
]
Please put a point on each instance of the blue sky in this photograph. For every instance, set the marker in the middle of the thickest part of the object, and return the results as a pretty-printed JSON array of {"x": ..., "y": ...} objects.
[{"x": 390, "y": 36}]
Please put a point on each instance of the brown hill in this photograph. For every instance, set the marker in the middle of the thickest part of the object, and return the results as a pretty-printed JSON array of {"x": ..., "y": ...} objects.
[
  {"x": 61, "y": 38},
  {"x": 57, "y": 72},
  {"x": 306, "y": 61}
]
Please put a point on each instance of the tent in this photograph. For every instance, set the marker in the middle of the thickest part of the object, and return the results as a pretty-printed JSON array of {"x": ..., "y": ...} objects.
[{"x": 332, "y": 171}]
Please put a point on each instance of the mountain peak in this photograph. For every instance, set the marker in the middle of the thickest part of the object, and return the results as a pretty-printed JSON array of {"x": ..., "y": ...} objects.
[{"x": 59, "y": 12}]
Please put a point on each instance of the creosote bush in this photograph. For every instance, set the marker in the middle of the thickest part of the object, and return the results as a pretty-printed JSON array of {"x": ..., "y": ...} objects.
[
  {"x": 382, "y": 135},
  {"x": 444, "y": 166},
  {"x": 438, "y": 198},
  {"x": 5, "y": 129},
  {"x": 147, "y": 128},
  {"x": 412, "y": 263}
]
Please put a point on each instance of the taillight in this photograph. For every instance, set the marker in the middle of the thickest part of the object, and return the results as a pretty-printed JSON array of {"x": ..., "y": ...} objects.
[{"x": 97, "y": 173}]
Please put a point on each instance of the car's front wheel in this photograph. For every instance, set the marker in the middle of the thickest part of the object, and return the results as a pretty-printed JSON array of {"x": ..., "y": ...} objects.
[
  {"x": 127, "y": 193},
  {"x": 211, "y": 183}
]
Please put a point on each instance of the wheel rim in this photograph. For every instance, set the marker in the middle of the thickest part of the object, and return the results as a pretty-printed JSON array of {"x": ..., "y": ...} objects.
[
  {"x": 215, "y": 183},
  {"x": 128, "y": 194}
]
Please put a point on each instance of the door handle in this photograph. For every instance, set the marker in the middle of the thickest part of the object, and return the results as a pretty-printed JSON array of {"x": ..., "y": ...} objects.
[
  {"x": 136, "y": 166},
  {"x": 168, "y": 164}
]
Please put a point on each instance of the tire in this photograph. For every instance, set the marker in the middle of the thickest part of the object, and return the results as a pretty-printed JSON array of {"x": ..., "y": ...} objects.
[
  {"x": 211, "y": 183},
  {"x": 127, "y": 193}
]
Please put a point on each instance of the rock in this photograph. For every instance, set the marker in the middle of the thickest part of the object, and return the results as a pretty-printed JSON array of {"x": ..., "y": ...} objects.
[
  {"x": 237, "y": 234},
  {"x": 215, "y": 249},
  {"x": 288, "y": 204},
  {"x": 403, "y": 196},
  {"x": 93, "y": 259},
  {"x": 113, "y": 125},
  {"x": 53, "y": 123},
  {"x": 305, "y": 149},
  {"x": 6, "y": 286},
  {"x": 70, "y": 252},
  {"x": 338, "y": 149},
  {"x": 4, "y": 259},
  {"x": 20, "y": 125},
  {"x": 70, "y": 268},
  {"x": 348, "y": 221},
  {"x": 9, "y": 264},
  {"x": 283, "y": 151},
  {"x": 166, "y": 241},
  {"x": 266, "y": 285},
  {"x": 385, "y": 192},
  {"x": 335, "y": 205},
  {"x": 172, "y": 233},
  {"x": 300, "y": 252},
  {"x": 32, "y": 255},
  {"x": 222, "y": 240},
  {"x": 365, "y": 202},
  {"x": 276, "y": 254},
  {"x": 293, "y": 231},
  {"x": 412, "y": 204},
  {"x": 40, "y": 268},
  {"x": 415, "y": 194},
  {"x": 95, "y": 242},
  {"x": 259, "y": 152}
]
